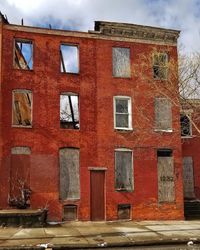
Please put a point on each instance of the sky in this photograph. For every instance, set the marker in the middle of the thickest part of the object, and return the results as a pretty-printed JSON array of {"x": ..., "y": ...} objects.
[{"x": 80, "y": 15}]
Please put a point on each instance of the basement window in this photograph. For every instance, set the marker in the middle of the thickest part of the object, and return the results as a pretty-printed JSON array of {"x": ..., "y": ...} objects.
[
  {"x": 22, "y": 108},
  {"x": 122, "y": 113},
  {"x": 69, "y": 213},
  {"x": 163, "y": 114},
  {"x": 186, "y": 126},
  {"x": 23, "y": 54},
  {"x": 69, "y": 111},
  {"x": 124, "y": 211},
  {"x": 121, "y": 62},
  {"x": 160, "y": 66},
  {"x": 69, "y": 58},
  {"x": 123, "y": 170}
]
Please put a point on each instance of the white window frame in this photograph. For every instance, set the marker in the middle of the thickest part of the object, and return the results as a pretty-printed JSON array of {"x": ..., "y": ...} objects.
[
  {"x": 132, "y": 167},
  {"x": 128, "y": 98},
  {"x": 187, "y": 113}
]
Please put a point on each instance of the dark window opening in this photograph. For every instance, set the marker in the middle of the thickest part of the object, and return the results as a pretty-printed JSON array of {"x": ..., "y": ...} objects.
[
  {"x": 164, "y": 153},
  {"x": 124, "y": 211},
  {"x": 23, "y": 55},
  {"x": 69, "y": 212},
  {"x": 160, "y": 66},
  {"x": 185, "y": 125},
  {"x": 22, "y": 108},
  {"x": 69, "y": 59},
  {"x": 69, "y": 111}
]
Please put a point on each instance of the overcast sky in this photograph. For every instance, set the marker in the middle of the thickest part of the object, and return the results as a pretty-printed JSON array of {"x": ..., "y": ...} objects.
[{"x": 183, "y": 15}]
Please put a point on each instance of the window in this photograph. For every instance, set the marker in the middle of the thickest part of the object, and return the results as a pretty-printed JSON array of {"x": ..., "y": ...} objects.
[
  {"x": 163, "y": 114},
  {"x": 69, "y": 58},
  {"x": 160, "y": 66},
  {"x": 69, "y": 111},
  {"x": 23, "y": 54},
  {"x": 22, "y": 108},
  {"x": 121, "y": 62},
  {"x": 122, "y": 113},
  {"x": 69, "y": 173},
  {"x": 186, "y": 127},
  {"x": 123, "y": 170},
  {"x": 165, "y": 164}
]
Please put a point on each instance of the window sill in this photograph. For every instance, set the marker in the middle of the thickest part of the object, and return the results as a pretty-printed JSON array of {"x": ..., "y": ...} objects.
[
  {"x": 124, "y": 129},
  {"x": 70, "y": 73},
  {"x": 186, "y": 137},
  {"x": 24, "y": 70},
  {"x": 20, "y": 126},
  {"x": 122, "y": 77},
  {"x": 123, "y": 190},
  {"x": 163, "y": 130}
]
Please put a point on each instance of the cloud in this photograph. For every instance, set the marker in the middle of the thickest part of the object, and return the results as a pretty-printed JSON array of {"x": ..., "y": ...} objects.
[{"x": 80, "y": 14}]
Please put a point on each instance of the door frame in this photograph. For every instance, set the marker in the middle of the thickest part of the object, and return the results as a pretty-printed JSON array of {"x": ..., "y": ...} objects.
[{"x": 97, "y": 169}]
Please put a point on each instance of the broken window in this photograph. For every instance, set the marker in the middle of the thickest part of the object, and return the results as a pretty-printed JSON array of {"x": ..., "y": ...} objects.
[
  {"x": 186, "y": 127},
  {"x": 163, "y": 114},
  {"x": 160, "y": 66},
  {"x": 166, "y": 192},
  {"x": 69, "y": 58},
  {"x": 23, "y": 54},
  {"x": 22, "y": 108},
  {"x": 121, "y": 62},
  {"x": 69, "y": 111},
  {"x": 69, "y": 173},
  {"x": 123, "y": 170},
  {"x": 122, "y": 112}
]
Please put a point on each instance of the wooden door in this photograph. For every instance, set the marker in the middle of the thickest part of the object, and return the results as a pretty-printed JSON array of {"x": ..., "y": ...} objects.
[
  {"x": 166, "y": 192},
  {"x": 188, "y": 177},
  {"x": 97, "y": 198}
]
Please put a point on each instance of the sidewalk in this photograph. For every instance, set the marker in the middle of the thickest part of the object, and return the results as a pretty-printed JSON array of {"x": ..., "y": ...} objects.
[{"x": 100, "y": 234}]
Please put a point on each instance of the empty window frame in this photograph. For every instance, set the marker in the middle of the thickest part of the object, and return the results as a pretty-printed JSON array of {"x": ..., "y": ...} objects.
[
  {"x": 23, "y": 54},
  {"x": 122, "y": 113},
  {"x": 121, "y": 62},
  {"x": 69, "y": 111},
  {"x": 123, "y": 170},
  {"x": 69, "y": 174},
  {"x": 69, "y": 55},
  {"x": 160, "y": 66},
  {"x": 186, "y": 126},
  {"x": 22, "y": 108},
  {"x": 163, "y": 114}
]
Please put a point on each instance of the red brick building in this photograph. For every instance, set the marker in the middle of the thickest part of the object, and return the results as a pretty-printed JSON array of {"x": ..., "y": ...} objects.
[{"x": 82, "y": 122}]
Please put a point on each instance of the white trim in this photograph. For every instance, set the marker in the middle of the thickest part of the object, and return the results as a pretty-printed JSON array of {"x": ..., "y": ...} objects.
[
  {"x": 124, "y": 149},
  {"x": 128, "y": 98}
]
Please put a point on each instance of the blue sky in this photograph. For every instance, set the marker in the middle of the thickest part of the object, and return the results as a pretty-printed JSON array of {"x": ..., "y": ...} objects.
[{"x": 183, "y": 15}]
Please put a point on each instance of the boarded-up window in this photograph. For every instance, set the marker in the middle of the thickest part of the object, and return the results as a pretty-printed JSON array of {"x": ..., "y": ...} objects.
[
  {"x": 122, "y": 112},
  {"x": 160, "y": 66},
  {"x": 163, "y": 114},
  {"x": 165, "y": 163},
  {"x": 188, "y": 177},
  {"x": 69, "y": 111},
  {"x": 186, "y": 127},
  {"x": 124, "y": 211},
  {"x": 123, "y": 170},
  {"x": 23, "y": 54},
  {"x": 121, "y": 62},
  {"x": 19, "y": 170},
  {"x": 69, "y": 173},
  {"x": 69, "y": 58},
  {"x": 22, "y": 108}
]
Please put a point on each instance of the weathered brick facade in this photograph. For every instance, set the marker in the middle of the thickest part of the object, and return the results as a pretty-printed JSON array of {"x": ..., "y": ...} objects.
[{"x": 97, "y": 138}]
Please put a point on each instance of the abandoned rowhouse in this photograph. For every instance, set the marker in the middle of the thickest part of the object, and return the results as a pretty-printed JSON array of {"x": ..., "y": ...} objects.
[{"x": 86, "y": 123}]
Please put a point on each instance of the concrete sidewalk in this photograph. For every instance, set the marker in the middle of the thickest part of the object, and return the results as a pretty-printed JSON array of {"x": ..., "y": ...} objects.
[{"x": 100, "y": 234}]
